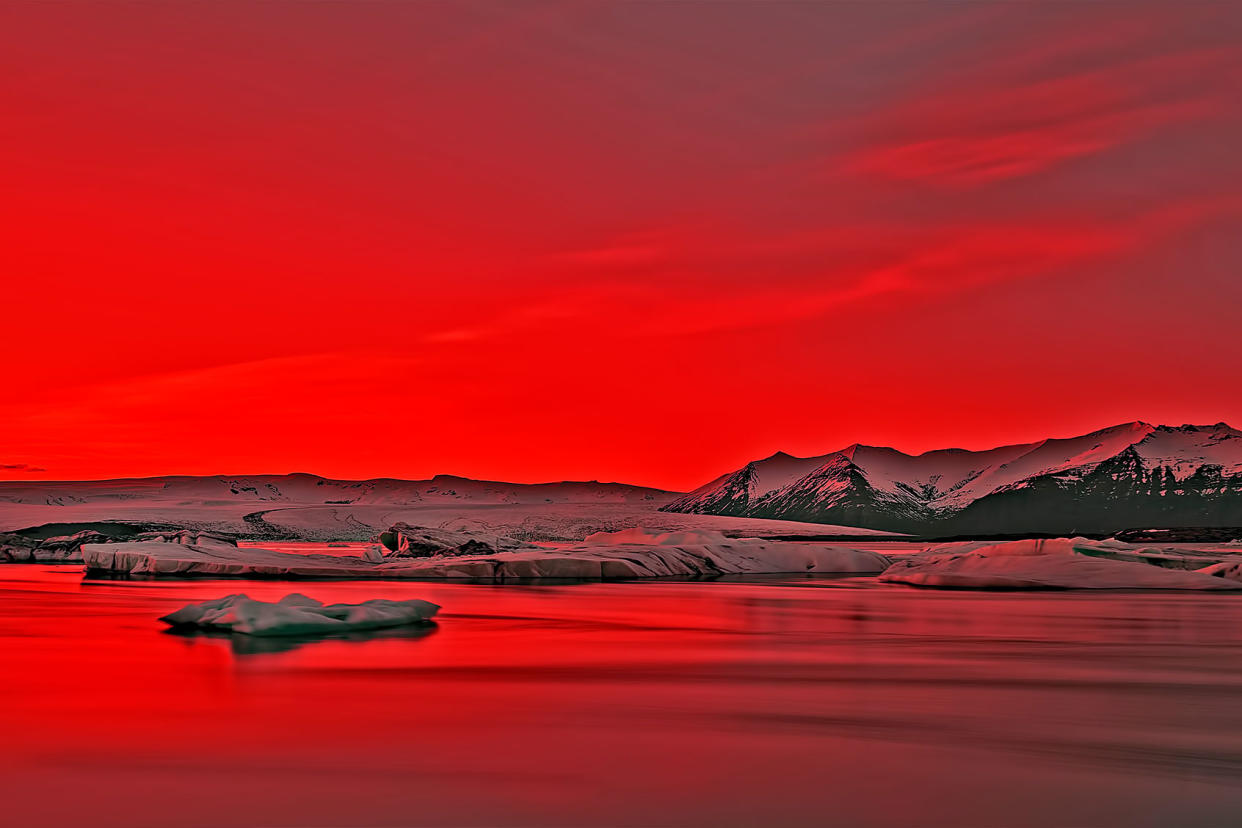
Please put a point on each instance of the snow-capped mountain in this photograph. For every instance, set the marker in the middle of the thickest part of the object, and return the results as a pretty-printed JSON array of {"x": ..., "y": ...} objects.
[{"x": 1134, "y": 474}]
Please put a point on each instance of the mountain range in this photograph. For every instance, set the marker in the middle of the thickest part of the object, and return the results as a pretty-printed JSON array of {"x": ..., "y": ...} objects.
[
  {"x": 1129, "y": 475},
  {"x": 311, "y": 489}
]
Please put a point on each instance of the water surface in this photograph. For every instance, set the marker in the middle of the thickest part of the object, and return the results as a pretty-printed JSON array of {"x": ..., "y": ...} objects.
[{"x": 776, "y": 701}]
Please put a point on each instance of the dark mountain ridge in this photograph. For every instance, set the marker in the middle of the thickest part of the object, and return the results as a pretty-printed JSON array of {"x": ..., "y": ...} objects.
[{"x": 1129, "y": 475}]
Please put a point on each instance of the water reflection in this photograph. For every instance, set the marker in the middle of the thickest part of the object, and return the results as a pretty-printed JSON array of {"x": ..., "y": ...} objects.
[
  {"x": 248, "y": 645},
  {"x": 784, "y": 701}
]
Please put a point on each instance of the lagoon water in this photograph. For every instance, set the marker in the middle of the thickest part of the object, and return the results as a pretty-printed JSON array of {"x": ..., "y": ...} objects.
[{"x": 778, "y": 701}]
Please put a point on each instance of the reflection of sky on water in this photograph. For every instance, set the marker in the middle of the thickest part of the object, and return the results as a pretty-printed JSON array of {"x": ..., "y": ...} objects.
[{"x": 731, "y": 702}]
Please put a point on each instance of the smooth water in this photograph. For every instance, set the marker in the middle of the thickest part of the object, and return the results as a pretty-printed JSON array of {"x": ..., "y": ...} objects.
[{"x": 766, "y": 702}]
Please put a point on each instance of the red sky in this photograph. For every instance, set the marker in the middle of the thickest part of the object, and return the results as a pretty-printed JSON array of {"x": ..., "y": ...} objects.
[{"x": 637, "y": 241}]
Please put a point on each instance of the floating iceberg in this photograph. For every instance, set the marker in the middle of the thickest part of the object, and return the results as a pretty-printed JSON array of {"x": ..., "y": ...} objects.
[
  {"x": 633, "y": 553},
  {"x": 298, "y": 615},
  {"x": 1061, "y": 563},
  {"x": 638, "y": 553}
]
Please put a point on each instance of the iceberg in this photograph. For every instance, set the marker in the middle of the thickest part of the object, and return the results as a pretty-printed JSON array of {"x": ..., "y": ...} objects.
[
  {"x": 647, "y": 553},
  {"x": 1061, "y": 563},
  {"x": 297, "y": 614},
  {"x": 632, "y": 553}
]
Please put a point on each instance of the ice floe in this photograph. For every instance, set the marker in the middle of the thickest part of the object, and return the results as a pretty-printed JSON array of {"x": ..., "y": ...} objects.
[
  {"x": 1056, "y": 563},
  {"x": 633, "y": 553},
  {"x": 1062, "y": 563},
  {"x": 298, "y": 615}
]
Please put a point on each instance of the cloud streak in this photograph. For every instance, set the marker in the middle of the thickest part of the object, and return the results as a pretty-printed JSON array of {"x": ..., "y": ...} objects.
[
  {"x": 21, "y": 467},
  {"x": 994, "y": 132}
]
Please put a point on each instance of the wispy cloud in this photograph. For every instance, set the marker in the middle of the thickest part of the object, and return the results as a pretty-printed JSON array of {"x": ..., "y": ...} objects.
[
  {"x": 996, "y": 130},
  {"x": 807, "y": 275},
  {"x": 967, "y": 160}
]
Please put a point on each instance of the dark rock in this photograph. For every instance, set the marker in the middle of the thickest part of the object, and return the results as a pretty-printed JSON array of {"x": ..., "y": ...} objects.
[{"x": 405, "y": 541}]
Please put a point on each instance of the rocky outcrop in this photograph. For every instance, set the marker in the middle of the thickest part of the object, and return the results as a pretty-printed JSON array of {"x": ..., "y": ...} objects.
[{"x": 405, "y": 541}]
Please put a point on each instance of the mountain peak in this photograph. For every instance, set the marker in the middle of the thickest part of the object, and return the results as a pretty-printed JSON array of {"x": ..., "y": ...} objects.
[
  {"x": 1163, "y": 469},
  {"x": 851, "y": 451},
  {"x": 1192, "y": 428},
  {"x": 1132, "y": 426},
  {"x": 780, "y": 455}
]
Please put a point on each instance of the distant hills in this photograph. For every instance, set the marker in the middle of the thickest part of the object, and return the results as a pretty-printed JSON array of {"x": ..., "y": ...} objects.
[
  {"x": 1129, "y": 475},
  {"x": 311, "y": 489},
  {"x": 1133, "y": 475}
]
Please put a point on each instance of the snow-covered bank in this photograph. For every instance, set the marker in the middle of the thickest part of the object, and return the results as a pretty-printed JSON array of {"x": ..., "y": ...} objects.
[
  {"x": 1058, "y": 563},
  {"x": 299, "y": 615},
  {"x": 1063, "y": 563},
  {"x": 634, "y": 553}
]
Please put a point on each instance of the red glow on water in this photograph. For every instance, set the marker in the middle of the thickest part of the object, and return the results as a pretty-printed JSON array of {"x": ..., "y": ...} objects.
[{"x": 686, "y": 704}]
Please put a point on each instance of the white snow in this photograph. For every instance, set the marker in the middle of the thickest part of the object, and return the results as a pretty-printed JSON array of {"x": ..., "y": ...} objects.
[
  {"x": 299, "y": 615},
  {"x": 1059, "y": 563},
  {"x": 950, "y": 479},
  {"x": 1185, "y": 449},
  {"x": 780, "y": 470},
  {"x": 1045, "y": 457}
]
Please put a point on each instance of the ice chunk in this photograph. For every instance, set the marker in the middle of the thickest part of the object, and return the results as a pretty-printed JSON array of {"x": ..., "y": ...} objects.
[
  {"x": 644, "y": 554},
  {"x": 638, "y": 554},
  {"x": 297, "y": 614},
  {"x": 1231, "y": 570},
  {"x": 1054, "y": 563}
]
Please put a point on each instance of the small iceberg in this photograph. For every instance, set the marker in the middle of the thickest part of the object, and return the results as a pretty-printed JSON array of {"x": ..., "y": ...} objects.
[{"x": 298, "y": 615}]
